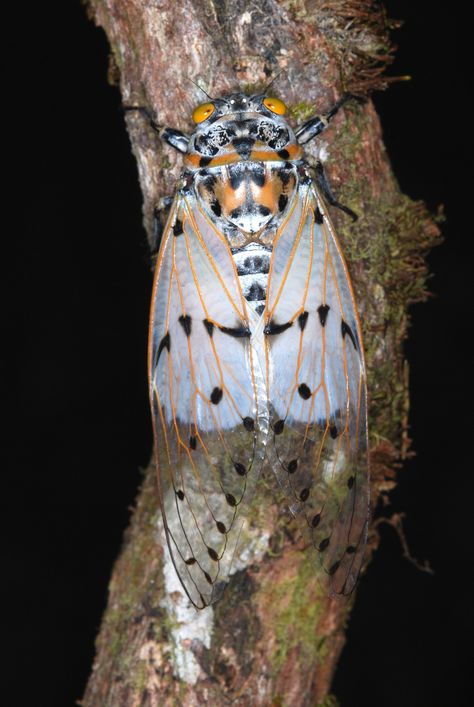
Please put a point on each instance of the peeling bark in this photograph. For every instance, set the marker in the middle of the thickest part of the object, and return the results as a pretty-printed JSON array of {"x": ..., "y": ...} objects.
[{"x": 273, "y": 638}]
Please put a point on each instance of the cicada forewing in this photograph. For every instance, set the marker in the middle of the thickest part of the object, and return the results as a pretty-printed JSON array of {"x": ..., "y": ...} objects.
[
  {"x": 317, "y": 389},
  {"x": 205, "y": 388}
]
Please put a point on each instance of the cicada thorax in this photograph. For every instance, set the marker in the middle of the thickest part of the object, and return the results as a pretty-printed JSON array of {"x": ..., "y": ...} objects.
[
  {"x": 247, "y": 196},
  {"x": 247, "y": 202}
]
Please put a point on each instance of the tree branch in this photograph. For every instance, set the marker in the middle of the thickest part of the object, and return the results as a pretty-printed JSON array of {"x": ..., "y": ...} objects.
[{"x": 274, "y": 638}]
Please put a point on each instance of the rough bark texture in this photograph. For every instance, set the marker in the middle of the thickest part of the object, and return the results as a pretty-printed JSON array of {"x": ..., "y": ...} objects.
[{"x": 273, "y": 638}]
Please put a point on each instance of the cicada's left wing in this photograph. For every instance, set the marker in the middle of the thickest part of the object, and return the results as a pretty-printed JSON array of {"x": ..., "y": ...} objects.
[
  {"x": 204, "y": 400},
  {"x": 317, "y": 389}
]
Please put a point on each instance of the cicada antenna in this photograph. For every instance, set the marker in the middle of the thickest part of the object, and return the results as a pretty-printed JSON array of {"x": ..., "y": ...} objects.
[
  {"x": 201, "y": 89},
  {"x": 274, "y": 79}
]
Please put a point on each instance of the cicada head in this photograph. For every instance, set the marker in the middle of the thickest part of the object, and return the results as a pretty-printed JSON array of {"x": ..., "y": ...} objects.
[{"x": 240, "y": 128}]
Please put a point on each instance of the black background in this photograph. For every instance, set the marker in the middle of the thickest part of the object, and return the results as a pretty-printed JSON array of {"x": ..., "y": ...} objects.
[{"x": 78, "y": 290}]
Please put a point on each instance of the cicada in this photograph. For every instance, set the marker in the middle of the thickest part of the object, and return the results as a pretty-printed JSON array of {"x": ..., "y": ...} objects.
[{"x": 255, "y": 356}]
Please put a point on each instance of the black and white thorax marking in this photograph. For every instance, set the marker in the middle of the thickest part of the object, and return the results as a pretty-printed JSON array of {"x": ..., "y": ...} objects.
[{"x": 247, "y": 201}]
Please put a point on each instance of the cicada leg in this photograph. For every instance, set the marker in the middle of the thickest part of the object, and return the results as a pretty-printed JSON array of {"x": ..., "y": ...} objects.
[{"x": 325, "y": 187}]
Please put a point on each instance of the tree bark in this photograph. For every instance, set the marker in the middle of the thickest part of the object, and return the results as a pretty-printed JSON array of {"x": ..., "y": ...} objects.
[{"x": 273, "y": 638}]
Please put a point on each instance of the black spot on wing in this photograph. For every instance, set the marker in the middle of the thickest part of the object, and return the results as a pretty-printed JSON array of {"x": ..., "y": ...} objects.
[
  {"x": 292, "y": 466},
  {"x": 260, "y": 308},
  {"x": 345, "y": 329},
  {"x": 165, "y": 343},
  {"x": 212, "y": 554},
  {"x": 209, "y": 326},
  {"x": 272, "y": 329},
  {"x": 279, "y": 426},
  {"x": 323, "y": 545},
  {"x": 304, "y": 391},
  {"x": 304, "y": 495},
  {"x": 302, "y": 319},
  {"x": 323, "y": 310},
  {"x": 236, "y": 332},
  {"x": 185, "y": 321},
  {"x": 192, "y": 442},
  {"x": 216, "y": 395},
  {"x": 178, "y": 227},
  {"x": 240, "y": 469},
  {"x": 208, "y": 577},
  {"x": 204, "y": 161},
  {"x": 249, "y": 424},
  {"x": 318, "y": 217},
  {"x": 284, "y": 154}
]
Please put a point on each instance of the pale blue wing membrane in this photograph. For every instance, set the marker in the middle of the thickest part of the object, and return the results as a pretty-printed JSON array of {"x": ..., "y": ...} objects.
[
  {"x": 317, "y": 391},
  {"x": 204, "y": 401}
]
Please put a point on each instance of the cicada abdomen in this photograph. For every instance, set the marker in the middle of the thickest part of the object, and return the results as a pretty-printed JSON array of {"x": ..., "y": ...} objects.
[{"x": 255, "y": 349}]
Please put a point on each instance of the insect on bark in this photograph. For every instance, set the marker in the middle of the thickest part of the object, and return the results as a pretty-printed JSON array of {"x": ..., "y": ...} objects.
[{"x": 255, "y": 353}]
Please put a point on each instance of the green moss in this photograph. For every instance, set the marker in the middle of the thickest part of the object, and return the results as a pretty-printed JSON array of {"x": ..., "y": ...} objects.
[
  {"x": 140, "y": 675},
  {"x": 397, "y": 273},
  {"x": 294, "y": 618},
  {"x": 385, "y": 250},
  {"x": 297, "y": 8},
  {"x": 303, "y": 111},
  {"x": 329, "y": 701},
  {"x": 165, "y": 163},
  {"x": 251, "y": 88}
]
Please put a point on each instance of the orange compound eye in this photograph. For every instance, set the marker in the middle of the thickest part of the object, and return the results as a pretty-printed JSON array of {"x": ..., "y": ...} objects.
[
  {"x": 275, "y": 105},
  {"x": 203, "y": 111}
]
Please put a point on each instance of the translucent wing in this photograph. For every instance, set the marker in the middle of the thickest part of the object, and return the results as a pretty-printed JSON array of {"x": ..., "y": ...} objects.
[
  {"x": 317, "y": 390},
  {"x": 204, "y": 391}
]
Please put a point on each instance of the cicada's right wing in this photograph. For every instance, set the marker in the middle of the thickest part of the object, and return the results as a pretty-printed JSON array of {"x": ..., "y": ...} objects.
[{"x": 204, "y": 394}]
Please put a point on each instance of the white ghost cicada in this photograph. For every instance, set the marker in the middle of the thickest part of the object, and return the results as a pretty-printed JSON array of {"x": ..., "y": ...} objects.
[{"x": 255, "y": 355}]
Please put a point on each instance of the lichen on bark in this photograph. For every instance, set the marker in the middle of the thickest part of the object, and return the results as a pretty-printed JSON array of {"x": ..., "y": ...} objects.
[{"x": 274, "y": 638}]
